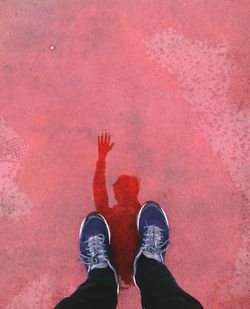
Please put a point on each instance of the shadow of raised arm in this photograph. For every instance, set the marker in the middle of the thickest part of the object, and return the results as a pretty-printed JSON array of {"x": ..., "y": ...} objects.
[{"x": 99, "y": 183}]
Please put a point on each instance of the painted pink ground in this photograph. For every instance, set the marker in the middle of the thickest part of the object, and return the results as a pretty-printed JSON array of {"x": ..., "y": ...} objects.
[{"x": 170, "y": 81}]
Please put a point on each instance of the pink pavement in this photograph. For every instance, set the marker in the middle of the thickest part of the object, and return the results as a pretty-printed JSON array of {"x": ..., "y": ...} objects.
[{"x": 169, "y": 81}]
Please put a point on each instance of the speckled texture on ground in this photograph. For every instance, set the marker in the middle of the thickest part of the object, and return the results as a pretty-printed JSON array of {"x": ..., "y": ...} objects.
[{"x": 170, "y": 81}]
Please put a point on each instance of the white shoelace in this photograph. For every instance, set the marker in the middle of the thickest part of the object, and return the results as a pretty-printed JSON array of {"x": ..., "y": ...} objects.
[
  {"x": 97, "y": 252},
  {"x": 152, "y": 241}
]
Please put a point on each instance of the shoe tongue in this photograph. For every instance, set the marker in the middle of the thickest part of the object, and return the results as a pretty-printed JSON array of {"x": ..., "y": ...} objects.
[{"x": 152, "y": 255}]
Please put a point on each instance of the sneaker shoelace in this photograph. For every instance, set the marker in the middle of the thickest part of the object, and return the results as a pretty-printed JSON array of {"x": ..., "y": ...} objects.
[
  {"x": 96, "y": 251},
  {"x": 152, "y": 240}
]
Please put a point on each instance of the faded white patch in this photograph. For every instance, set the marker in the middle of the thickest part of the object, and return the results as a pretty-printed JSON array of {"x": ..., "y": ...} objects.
[
  {"x": 36, "y": 294},
  {"x": 13, "y": 203},
  {"x": 204, "y": 74}
]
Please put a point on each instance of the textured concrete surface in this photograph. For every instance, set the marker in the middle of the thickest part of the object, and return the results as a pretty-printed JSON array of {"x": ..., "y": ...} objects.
[{"x": 170, "y": 81}]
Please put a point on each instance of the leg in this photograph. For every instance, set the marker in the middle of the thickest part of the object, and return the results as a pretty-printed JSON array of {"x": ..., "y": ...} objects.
[
  {"x": 101, "y": 287},
  {"x": 159, "y": 289},
  {"x": 99, "y": 291}
]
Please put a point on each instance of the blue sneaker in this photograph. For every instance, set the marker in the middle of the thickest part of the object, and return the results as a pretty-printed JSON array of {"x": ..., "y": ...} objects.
[
  {"x": 153, "y": 229},
  {"x": 94, "y": 238}
]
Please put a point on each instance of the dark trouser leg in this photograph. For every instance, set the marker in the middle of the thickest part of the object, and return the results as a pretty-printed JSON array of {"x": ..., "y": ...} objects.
[
  {"x": 159, "y": 289},
  {"x": 98, "y": 292}
]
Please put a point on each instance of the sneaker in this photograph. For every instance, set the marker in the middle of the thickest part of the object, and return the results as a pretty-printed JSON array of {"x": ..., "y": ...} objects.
[
  {"x": 153, "y": 230},
  {"x": 94, "y": 238}
]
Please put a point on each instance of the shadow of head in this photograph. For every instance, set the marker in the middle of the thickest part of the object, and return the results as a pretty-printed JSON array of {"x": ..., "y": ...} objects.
[{"x": 126, "y": 189}]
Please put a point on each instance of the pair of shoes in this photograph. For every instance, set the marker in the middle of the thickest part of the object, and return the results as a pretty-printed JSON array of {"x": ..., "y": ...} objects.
[{"x": 153, "y": 231}]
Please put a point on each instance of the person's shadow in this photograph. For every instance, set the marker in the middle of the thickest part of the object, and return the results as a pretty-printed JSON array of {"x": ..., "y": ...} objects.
[{"x": 122, "y": 217}]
